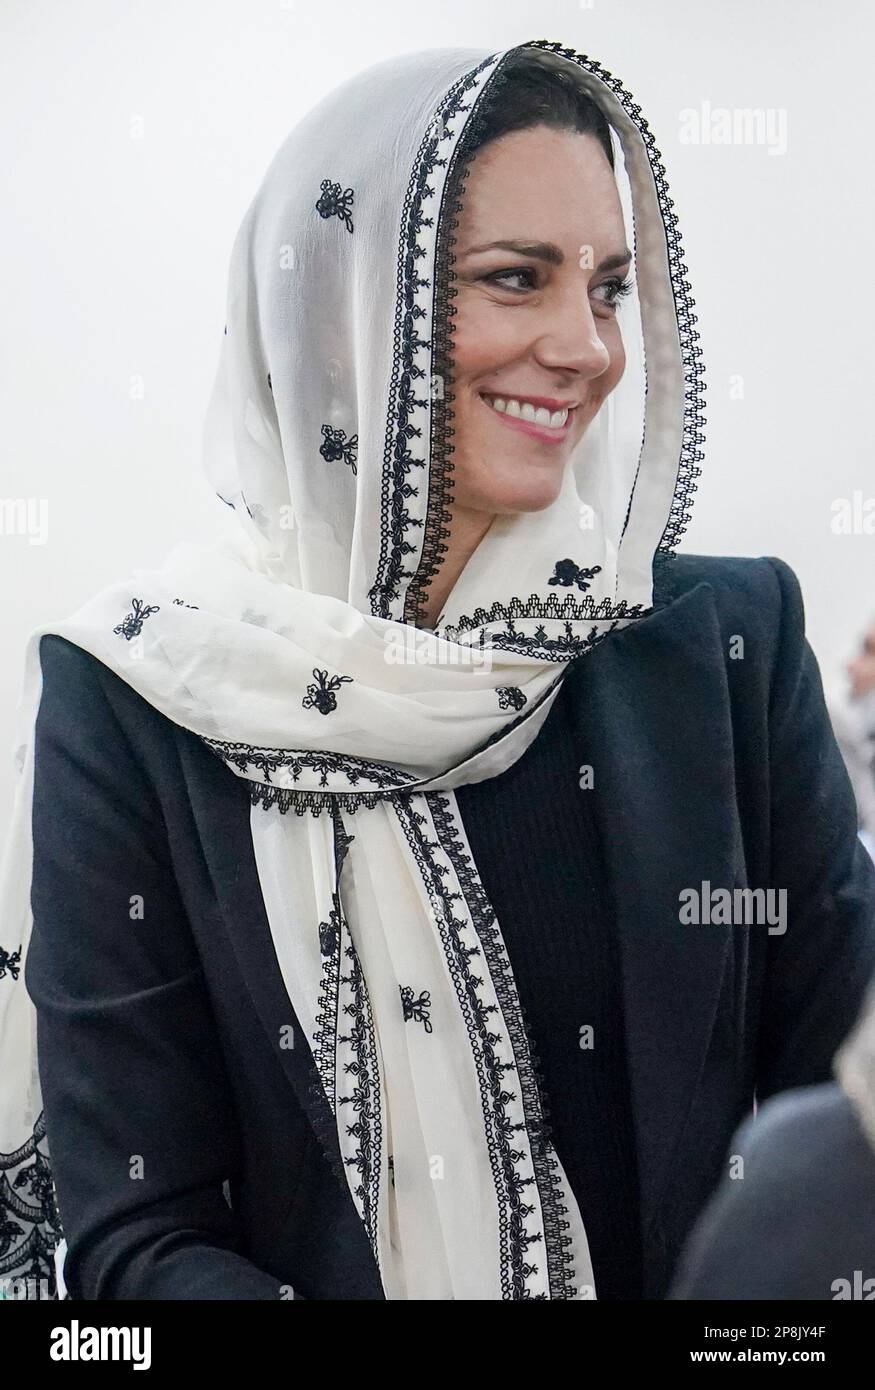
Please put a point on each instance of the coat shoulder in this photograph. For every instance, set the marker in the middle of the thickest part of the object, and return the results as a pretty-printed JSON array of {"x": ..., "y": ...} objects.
[
  {"x": 81, "y": 681},
  {"x": 753, "y": 591},
  {"x": 85, "y": 707}
]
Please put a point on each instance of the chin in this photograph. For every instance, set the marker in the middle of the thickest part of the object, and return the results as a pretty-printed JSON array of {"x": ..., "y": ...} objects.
[
  {"x": 531, "y": 502},
  {"x": 512, "y": 501},
  {"x": 530, "y": 490},
  {"x": 525, "y": 483}
]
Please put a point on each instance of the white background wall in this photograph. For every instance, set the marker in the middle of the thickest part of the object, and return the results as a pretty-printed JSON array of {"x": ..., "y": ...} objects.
[{"x": 115, "y": 251}]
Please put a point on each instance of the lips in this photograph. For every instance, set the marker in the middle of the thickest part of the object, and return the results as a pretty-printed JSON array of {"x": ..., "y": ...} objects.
[
  {"x": 542, "y": 417},
  {"x": 550, "y": 402}
]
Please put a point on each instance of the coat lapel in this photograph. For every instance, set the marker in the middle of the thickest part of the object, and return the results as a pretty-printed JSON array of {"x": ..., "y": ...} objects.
[
  {"x": 233, "y": 869},
  {"x": 656, "y": 711}
]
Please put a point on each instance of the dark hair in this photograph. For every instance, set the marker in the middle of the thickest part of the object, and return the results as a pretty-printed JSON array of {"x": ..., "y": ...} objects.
[{"x": 528, "y": 91}]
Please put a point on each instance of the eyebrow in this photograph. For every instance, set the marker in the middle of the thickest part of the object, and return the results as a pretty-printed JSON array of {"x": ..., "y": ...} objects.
[{"x": 546, "y": 251}]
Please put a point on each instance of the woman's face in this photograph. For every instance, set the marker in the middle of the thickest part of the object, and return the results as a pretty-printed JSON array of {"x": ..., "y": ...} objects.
[{"x": 536, "y": 322}]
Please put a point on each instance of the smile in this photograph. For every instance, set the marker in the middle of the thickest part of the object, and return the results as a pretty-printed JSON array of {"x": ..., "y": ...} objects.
[{"x": 550, "y": 425}]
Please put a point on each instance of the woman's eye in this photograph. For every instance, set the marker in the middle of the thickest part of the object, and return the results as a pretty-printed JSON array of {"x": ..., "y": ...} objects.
[
  {"x": 500, "y": 276},
  {"x": 617, "y": 289}
]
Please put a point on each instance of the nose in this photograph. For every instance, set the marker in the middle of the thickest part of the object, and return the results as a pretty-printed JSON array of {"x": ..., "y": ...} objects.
[{"x": 568, "y": 337}]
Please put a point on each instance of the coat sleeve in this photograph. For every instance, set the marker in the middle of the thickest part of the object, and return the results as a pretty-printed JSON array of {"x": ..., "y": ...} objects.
[
  {"x": 818, "y": 969},
  {"x": 139, "y": 1119}
]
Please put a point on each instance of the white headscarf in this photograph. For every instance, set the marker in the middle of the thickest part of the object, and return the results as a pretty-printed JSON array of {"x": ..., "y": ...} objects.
[{"x": 293, "y": 651}]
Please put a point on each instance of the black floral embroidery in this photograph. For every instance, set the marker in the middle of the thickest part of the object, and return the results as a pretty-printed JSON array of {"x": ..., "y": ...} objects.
[
  {"x": 416, "y": 1009},
  {"x": 392, "y": 1169},
  {"x": 329, "y": 932},
  {"x": 337, "y": 1056},
  {"x": 324, "y": 1038},
  {"x": 364, "y": 1098},
  {"x": 350, "y": 772},
  {"x": 546, "y": 1169},
  {"x": 183, "y": 603},
  {"x": 30, "y": 1225},
  {"x": 510, "y": 697},
  {"x": 411, "y": 380},
  {"x": 316, "y": 802},
  {"x": 269, "y": 384},
  {"x": 342, "y": 842},
  {"x": 334, "y": 203},
  {"x": 320, "y": 693},
  {"x": 10, "y": 963},
  {"x": 566, "y": 572},
  {"x": 465, "y": 948},
  {"x": 330, "y": 939},
  {"x": 335, "y": 445},
  {"x": 535, "y": 639},
  {"x": 226, "y": 502},
  {"x": 133, "y": 623}
]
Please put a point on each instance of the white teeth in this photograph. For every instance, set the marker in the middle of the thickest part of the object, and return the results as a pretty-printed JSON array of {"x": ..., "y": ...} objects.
[{"x": 524, "y": 410}]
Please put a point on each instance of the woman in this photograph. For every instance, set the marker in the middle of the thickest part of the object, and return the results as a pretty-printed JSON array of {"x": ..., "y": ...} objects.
[{"x": 366, "y": 835}]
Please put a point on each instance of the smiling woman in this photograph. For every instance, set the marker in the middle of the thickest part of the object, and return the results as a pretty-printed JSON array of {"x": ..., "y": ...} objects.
[
  {"x": 537, "y": 343},
  {"x": 306, "y": 884}
]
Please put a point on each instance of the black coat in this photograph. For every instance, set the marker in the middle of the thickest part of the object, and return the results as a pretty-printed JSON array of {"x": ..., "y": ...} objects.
[{"x": 159, "y": 1053}]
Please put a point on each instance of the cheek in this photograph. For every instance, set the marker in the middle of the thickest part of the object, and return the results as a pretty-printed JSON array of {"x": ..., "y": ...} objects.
[
  {"x": 613, "y": 341},
  {"x": 469, "y": 349},
  {"x": 482, "y": 338}
]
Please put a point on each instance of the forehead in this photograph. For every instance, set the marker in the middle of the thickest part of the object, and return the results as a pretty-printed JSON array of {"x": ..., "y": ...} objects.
[{"x": 540, "y": 182}]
